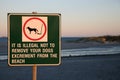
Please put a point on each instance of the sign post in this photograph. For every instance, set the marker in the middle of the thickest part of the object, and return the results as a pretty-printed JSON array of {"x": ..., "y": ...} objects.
[
  {"x": 34, "y": 39},
  {"x": 34, "y": 72},
  {"x": 34, "y": 66}
]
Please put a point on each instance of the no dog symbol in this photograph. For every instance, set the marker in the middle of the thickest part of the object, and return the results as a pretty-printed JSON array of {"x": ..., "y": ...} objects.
[{"x": 34, "y": 29}]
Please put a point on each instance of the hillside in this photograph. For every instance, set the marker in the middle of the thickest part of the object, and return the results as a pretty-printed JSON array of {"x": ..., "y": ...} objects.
[{"x": 99, "y": 39}]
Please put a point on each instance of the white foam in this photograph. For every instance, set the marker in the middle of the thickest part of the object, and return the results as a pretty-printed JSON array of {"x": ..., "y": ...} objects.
[
  {"x": 3, "y": 57},
  {"x": 91, "y": 51}
]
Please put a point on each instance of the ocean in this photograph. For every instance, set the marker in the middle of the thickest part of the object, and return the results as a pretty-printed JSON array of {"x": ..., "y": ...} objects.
[
  {"x": 91, "y": 51},
  {"x": 99, "y": 50}
]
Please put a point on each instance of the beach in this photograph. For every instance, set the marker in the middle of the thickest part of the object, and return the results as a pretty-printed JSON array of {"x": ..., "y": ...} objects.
[
  {"x": 71, "y": 68},
  {"x": 82, "y": 67}
]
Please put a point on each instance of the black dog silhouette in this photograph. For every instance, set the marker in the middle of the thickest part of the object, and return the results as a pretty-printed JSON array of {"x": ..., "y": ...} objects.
[{"x": 32, "y": 29}]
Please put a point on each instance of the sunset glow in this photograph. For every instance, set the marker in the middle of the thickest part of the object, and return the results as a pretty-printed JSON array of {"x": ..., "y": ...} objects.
[{"x": 79, "y": 17}]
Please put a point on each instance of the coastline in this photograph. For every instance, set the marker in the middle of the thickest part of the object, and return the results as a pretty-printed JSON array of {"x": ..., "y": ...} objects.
[{"x": 82, "y": 67}]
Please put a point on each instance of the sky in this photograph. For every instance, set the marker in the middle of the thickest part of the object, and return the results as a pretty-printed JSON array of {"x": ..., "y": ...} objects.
[{"x": 79, "y": 18}]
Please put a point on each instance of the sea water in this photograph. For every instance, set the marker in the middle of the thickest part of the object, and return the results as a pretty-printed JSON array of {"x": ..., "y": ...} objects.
[
  {"x": 84, "y": 51},
  {"x": 92, "y": 51},
  {"x": 104, "y": 50}
]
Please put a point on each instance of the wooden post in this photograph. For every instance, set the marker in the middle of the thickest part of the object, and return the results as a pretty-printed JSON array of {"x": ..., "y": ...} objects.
[
  {"x": 34, "y": 72},
  {"x": 34, "y": 66}
]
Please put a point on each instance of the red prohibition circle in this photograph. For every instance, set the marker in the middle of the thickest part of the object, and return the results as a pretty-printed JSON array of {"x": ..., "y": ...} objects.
[{"x": 27, "y": 22}]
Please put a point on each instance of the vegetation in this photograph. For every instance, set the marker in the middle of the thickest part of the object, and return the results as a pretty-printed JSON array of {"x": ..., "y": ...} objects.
[
  {"x": 101, "y": 39},
  {"x": 105, "y": 39}
]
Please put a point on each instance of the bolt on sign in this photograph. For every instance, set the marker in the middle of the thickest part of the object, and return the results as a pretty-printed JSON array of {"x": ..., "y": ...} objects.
[{"x": 34, "y": 39}]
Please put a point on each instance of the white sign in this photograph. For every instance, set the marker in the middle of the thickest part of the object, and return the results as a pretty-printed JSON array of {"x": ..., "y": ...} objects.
[{"x": 34, "y": 29}]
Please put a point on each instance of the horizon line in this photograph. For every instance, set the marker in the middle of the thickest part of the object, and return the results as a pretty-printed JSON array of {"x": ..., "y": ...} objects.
[{"x": 72, "y": 36}]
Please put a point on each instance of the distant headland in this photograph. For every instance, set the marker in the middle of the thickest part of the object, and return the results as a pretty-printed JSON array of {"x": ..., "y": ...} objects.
[{"x": 99, "y": 39}]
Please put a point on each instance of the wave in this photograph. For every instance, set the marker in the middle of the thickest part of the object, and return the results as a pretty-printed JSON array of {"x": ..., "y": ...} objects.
[
  {"x": 91, "y": 51},
  {"x": 3, "y": 57},
  {"x": 84, "y": 52}
]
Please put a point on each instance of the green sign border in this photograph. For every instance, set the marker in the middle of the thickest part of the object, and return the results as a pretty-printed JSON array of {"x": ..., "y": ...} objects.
[{"x": 30, "y": 14}]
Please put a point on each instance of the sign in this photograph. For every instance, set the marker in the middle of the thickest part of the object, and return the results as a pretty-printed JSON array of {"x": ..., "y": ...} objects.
[
  {"x": 34, "y": 29},
  {"x": 34, "y": 39}
]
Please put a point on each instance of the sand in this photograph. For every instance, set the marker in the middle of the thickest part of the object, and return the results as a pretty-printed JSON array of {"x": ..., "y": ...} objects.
[{"x": 71, "y": 68}]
